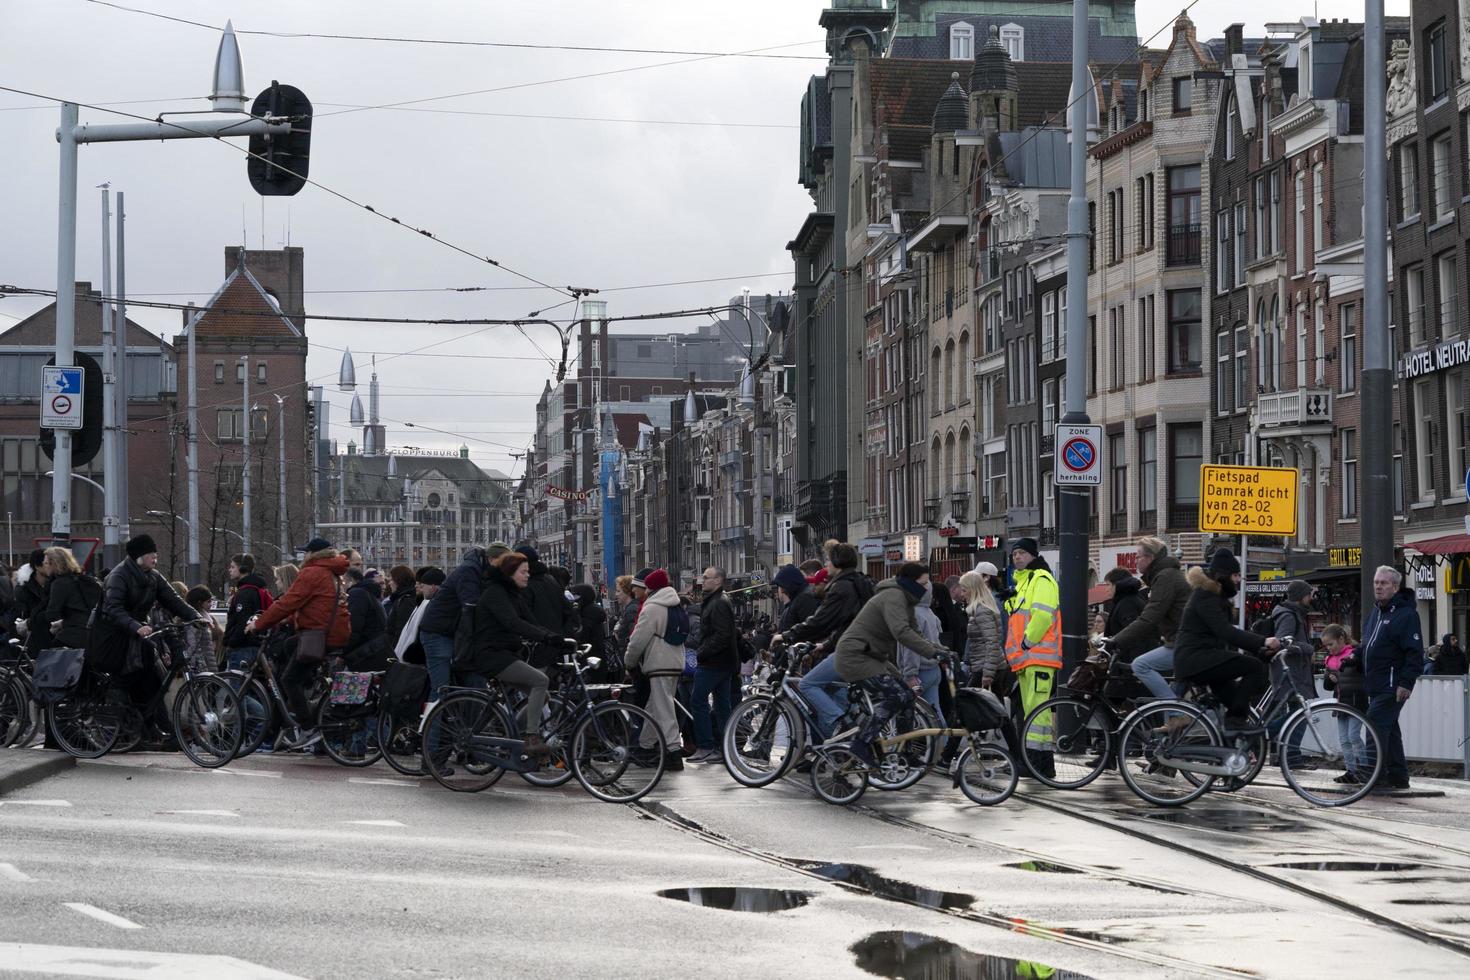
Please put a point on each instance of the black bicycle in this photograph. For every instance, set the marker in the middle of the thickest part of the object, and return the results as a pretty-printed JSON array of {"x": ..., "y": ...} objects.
[{"x": 19, "y": 720}]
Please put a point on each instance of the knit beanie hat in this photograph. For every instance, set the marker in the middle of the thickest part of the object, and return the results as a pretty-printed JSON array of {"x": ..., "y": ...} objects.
[
  {"x": 1223, "y": 562},
  {"x": 640, "y": 581},
  {"x": 140, "y": 546},
  {"x": 656, "y": 579},
  {"x": 1297, "y": 590}
]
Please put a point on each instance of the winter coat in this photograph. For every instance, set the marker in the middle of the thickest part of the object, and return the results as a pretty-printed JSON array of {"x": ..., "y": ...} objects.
[
  {"x": 1128, "y": 604},
  {"x": 802, "y": 607},
  {"x": 310, "y": 601},
  {"x": 1290, "y": 619},
  {"x": 129, "y": 596},
  {"x": 1392, "y": 647},
  {"x": 1168, "y": 591},
  {"x": 716, "y": 650},
  {"x": 548, "y": 603},
  {"x": 910, "y": 662},
  {"x": 984, "y": 654},
  {"x": 71, "y": 599},
  {"x": 246, "y": 602},
  {"x": 460, "y": 591},
  {"x": 869, "y": 646},
  {"x": 200, "y": 648},
  {"x": 1451, "y": 662},
  {"x": 500, "y": 621},
  {"x": 1207, "y": 634},
  {"x": 369, "y": 622},
  {"x": 592, "y": 626},
  {"x": 627, "y": 616},
  {"x": 953, "y": 620},
  {"x": 401, "y": 605},
  {"x": 1344, "y": 672},
  {"x": 648, "y": 651},
  {"x": 844, "y": 598}
]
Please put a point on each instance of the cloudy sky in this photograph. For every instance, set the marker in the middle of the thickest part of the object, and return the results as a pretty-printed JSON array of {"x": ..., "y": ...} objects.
[{"x": 657, "y": 169}]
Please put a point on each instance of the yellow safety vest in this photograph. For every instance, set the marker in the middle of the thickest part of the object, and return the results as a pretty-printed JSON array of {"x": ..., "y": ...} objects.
[{"x": 1032, "y": 617}]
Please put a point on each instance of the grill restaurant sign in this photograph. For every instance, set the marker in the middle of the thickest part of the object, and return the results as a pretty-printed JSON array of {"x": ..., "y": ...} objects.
[{"x": 1437, "y": 358}]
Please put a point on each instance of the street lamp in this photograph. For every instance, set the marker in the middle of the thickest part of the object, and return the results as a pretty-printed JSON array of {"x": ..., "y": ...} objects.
[
  {"x": 280, "y": 469},
  {"x": 78, "y": 476}
]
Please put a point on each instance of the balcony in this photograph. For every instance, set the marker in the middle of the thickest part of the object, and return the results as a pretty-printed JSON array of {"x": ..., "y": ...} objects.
[
  {"x": 931, "y": 511},
  {"x": 1301, "y": 408},
  {"x": 1184, "y": 245},
  {"x": 730, "y": 458},
  {"x": 959, "y": 506}
]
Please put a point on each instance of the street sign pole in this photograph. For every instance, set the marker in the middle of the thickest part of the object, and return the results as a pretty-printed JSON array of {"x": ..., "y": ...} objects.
[
  {"x": 66, "y": 315},
  {"x": 111, "y": 547}
]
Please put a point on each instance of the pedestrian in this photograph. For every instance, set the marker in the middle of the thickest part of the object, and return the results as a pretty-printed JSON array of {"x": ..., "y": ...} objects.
[
  {"x": 1205, "y": 650},
  {"x": 920, "y": 672},
  {"x": 549, "y": 607},
  {"x": 718, "y": 666},
  {"x": 656, "y": 653},
  {"x": 847, "y": 591},
  {"x": 1148, "y": 642},
  {"x": 1033, "y": 646},
  {"x": 1343, "y": 673},
  {"x": 952, "y": 586},
  {"x": 354, "y": 558},
  {"x": 627, "y": 607},
  {"x": 984, "y": 654},
  {"x": 1128, "y": 601},
  {"x": 7, "y": 607},
  {"x": 248, "y": 600},
  {"x": 367, "y": 645},
  {"x": 1452, "y": 661},
  {"x": 70, "y": 600},
  {"x": 1289, "y": 620},
  {"x": 1393, "y": 659},
  {"x": 402, "y": 601},
  {"x": 798, "y": 599},
  {"x": 461, "y": 591},
  {"x": 952, "y": 619},
  {"x": 592, "y": 624},
  {"x": 868, "y": 650},
  {"x": 30, "y": 603},
  {"x": 203, "y": 638}
]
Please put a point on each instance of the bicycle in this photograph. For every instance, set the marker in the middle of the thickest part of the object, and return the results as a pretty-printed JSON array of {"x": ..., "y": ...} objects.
[
  {"x": 768, "y": 733},
  {"x": 474, "y": 729},
  {"x": 1165, "y": 740},
  {"x": 266, "y": 706},
  {"x": 984, "y": 771},
  {"x": 19, "y": 721}
]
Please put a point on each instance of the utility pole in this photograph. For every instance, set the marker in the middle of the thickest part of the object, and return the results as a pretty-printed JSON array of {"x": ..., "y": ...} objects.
[
  {"x": 245, "y": 468},
  {"x": 194, "y": 450},
  {"x": 111, "y": 547},
  {"x": 1377, "y": 392},
  {"x": 120, "y": 387},
  {"x": 281, "y": 475},
  {"x": 1073, "y": 505},
  {"x": 66, "y": 316}
]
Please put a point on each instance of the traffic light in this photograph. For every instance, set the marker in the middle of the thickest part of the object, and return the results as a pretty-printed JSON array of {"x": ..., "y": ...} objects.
[
  {"x": 278, "y": 164},
  {"x": 86, "y": 441}
]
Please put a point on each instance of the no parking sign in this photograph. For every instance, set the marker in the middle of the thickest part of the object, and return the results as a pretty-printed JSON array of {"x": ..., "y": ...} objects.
[
  {"x": 1078, "y": 456},
  {"x": 61, "y": 397}
]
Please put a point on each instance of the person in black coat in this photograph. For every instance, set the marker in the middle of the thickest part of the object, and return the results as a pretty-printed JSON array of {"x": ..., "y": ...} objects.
[
  {"x": 30, "y": 600},
  {"x": 847, "y": 590},
  {"x": 592, "y": 620},
  {"x": 718, "y": 666},
  {"x": 367, "y": 647},
  {"x": 801, "y": 599},
  {"x": 401, "y": 602},
  {"x": 247, "y": 601},
  {"x": 1128, "y": 600},
  {"x": 548, "y": 604},
  {"x": 1205, "y": 649},
  {"x": 71, "y": 599}
]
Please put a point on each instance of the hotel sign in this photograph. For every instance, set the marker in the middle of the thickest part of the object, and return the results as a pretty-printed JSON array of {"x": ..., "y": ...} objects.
[{"x": 1437, "y": 358}]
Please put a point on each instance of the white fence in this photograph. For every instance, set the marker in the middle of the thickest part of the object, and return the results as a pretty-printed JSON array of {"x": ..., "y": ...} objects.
[{"x": 1434, "y": 720}]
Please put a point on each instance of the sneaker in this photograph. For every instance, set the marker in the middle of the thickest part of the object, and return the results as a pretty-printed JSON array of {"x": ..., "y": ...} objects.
[
  {"x": 673, "y": 762},
  {"x": 1348, "y": 779},
  {"x": 705, "y": 756}
]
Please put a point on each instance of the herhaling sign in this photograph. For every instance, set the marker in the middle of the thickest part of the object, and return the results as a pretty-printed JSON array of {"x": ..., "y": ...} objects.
[{"x": 1437, "y": 358}]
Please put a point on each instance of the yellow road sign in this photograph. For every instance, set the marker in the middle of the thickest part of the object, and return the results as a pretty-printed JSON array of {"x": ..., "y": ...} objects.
[{"x": 1248, "y": 499}]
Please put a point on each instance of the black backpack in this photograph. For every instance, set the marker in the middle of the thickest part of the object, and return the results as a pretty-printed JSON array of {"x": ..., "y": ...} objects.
[{"x": 676, "y": 631}]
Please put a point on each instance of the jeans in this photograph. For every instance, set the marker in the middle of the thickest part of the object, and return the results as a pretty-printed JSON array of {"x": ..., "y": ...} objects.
[
  {"x": 1383, "y": 712},
  {"x": 1147, "y": 667},
  {"x": 929, "y": 689},
  {"x": 240, "y": 658},
  {"x": 827, "y": 694},
  {"x": 1238, "y": 681},
  {"x": 438, "y": 657},
  {"x": 1350, "y": 738},
  {"x": 719, "y": 682}
]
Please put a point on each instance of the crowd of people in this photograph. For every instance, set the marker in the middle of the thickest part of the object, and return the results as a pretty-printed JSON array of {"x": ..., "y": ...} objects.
[{"x": 504, "y": 614}]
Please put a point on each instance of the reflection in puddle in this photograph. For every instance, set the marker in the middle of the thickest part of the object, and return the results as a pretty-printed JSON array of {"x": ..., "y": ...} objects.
[
  {"x": 1347, "y": 866},
  {"x": 916, "y": 956},
  {"x": 1046, "y": 867},
  {"x": 740, "y": 899},
  {"x": 1029, "y": 928},
  {"x": 1233, "y": 822},
  {"x": 890, "y": 888}
]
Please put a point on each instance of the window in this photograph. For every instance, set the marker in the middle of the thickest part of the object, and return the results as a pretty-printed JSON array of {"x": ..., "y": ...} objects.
[
  {"x": 1398, "y": 469},
  {"x": 1184, "y": 216},
  {"x": 1444, "y": 274},
  {"x": 1240, "y": 245},
  {"x": 1262, "y": 199},
  {"x": 1186, "y": 451},
  {"x": 1117, "y": 480},
  {"x": 1455, "y": 424},
  {"x": 1299, "y": 245},
  {"x": 219, "y": 372},
  {"x": 1091, "y": 236},
  {"x": 1143, "y": 193},
  {"x": 1436, "y": 67},
  {"x": 1242, "y": 367},
  {"x": 1304, "y": 71},
  {"x": 948, "y": 375},
  {"x": 965, "y": 377},
  {"x": 1319, "y": 242},
  {"x": 260, "y": 372},
  {"x": 1439, "y": 176},
  {"x": 1013, "y": 36},
  {"x": 229, "y": 424},
  {"x": 961, "y": 42},
  {"x": 1408, "y": 159},
  {"x": 1183, "y": 93},
  {"x": 1301, "y": 343},
  {"x": 1118, "y": 346},
  {"x": 1224, "y": 358},
  {"x": 1048, "y": 406},
  {"x": 1265, "y": 127},
  {"x": 1222, "y": 251},
  {"x": 1048, "y": 326},
  {"x": 1347, "y": 351},
  {"x": 239, "y": 372},
  {"x": 1143, "y": 105},
  {"x": 1062, "y": 322},
  {"x": 1146, "y": 338},
  {"x": 1115, "y": 226},
  {"x": 1426, "y": 436},
  {"x": 1092, "y": 355},
  {"x": 1276, "y": 212},
  {"x": 1349, "y": 453},
  {"x": 1320, "y": 347},
  {"x": 1232, "y": 117},
  {"x": 936, "y": 402},
  {"x": 1414, "y": 304},
  {"x": 1148, "y": 477},
  {"x": 1184, "y": 330}
]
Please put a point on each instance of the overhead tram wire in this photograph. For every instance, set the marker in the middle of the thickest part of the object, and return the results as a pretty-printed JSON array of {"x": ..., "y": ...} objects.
[{"x": 494, "y": 289}]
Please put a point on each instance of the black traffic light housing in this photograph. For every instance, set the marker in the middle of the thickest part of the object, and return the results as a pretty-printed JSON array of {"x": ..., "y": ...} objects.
[
  {"x": 86, "y": 442},
  {"x": 278, "y": 165}
]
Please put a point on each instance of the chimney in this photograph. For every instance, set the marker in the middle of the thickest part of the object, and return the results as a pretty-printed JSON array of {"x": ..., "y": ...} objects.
[{"x": 1235, "y": 39}]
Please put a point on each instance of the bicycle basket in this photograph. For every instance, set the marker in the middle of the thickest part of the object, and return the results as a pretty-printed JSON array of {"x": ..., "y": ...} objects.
[
  {"x": 1088, "y": 678},
  {"x": 57, "y": 672},
  {"x": 351, "y": 687},
  {"x": 979, "y": 709}
]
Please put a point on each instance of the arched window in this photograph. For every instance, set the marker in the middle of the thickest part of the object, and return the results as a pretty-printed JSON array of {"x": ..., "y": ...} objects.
[
  {"x": 961, "y": 42},
  {"x": 936, "y": 465},
  {"x": 937, "y": 401},
  {"x": 1278, "y": 343},
  {"x": 949, "y": 463},
  {"x": 964, "y": 368},
  {"x": 962, "y": 479},
  {"x": 949, "y": 375}
]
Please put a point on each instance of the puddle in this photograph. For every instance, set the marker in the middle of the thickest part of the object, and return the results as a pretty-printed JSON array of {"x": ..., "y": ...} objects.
[
  {"x": 1028, "y": 928},
  {"x": 1231, "y": 823},
  {"x": 740, "y": 899},
  {"x": 1347, "y": 866},
  {"x": 1045, "y": 866},
  {"x": 890, "y": 888},
  {"x": 917, "y": 956}
]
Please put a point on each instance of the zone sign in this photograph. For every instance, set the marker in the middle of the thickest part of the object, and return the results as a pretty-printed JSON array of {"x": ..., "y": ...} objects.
[{"x": 1078, "y": 456}]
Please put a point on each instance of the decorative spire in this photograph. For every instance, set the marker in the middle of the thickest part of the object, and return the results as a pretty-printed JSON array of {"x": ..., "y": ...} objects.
[
  {"x": 994, "y": 71},
  {"x": 229, "y": 77},
  {"x": 953, "y": 111}
]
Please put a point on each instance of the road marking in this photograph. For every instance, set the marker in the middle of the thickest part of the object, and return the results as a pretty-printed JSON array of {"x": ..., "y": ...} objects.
[
  {"x": 364, "y": 781},
  {"x": 203, "y": 813},
  {"x": 130, "y": 964},
  {"x": 890, "y": 847},
  {"x": 101, "y": 915},
  {"x": 376, "y": 823},
  {"x": 11, "y": 873},
  {"x": 34, "y": 803}
]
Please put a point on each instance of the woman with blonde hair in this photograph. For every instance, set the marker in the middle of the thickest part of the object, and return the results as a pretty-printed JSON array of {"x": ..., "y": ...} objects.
[
  {"x": 71, "y": 597},
  {"x": 285, "y": 576},
  {"x": 983, "y": 651}
]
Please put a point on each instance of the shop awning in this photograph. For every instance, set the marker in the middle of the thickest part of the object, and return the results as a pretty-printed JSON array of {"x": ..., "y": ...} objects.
[
  {"x": 1450, "y": 544},
  {"x": 1099, "y": 594}
]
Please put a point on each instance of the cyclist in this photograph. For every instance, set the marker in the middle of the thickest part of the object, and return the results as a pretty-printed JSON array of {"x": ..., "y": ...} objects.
[
  {"x": 249, "y": 599},
  {"x": 868, "y": 650},
  {"x": 547, "y": 602},
  {"x": 461, "y": 590},
  {"x": 70, "y": 599},
  {"x": 1205, "y": 650},
  {"x": 1148, "y": 642}
]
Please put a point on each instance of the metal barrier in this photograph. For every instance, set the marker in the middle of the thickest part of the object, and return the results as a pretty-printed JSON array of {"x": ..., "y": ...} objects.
[{"x": 1436, "y": 721}]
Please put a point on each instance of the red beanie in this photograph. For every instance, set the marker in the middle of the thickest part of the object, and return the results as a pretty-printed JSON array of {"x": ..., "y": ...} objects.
[
  {"x": 818, "y": 578},
  {"x": 658, "y": 579}
]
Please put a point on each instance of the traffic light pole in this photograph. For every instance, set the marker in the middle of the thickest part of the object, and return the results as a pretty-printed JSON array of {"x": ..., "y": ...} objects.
[{"x": 112, "y": 464}]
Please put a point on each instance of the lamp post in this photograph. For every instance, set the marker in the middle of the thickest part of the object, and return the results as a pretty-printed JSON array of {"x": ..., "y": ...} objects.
[{"x": 283, "y": 547}]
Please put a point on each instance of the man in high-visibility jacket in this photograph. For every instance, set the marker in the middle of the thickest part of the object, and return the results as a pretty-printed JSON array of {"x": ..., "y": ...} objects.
[{"x": 1034, "y": 645}]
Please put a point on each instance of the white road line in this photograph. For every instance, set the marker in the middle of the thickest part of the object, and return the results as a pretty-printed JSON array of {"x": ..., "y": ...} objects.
[
  {"x": 34, "y": 803},
  {"x": 11, "y": 873},
  {"x": 101, "y": 915},
  {"x": 202, "y": 813},
  {"x": 890, "y": 847},
  {"x": 364, "y": 781},
  {"x": 375, "y": 823},
  {"x": 129, "y": 964}
]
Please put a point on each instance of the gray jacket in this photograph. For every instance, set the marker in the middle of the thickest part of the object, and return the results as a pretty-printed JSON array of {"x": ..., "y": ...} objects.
[
  {"x": 910, "y": 662},
  {"x": 984, "y": 654},
  {"x": 1290, "y": 619}
]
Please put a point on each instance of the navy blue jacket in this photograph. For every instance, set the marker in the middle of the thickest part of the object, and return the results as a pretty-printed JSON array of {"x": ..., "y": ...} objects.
[
  {"x": 1392, "y": 650},
  {"x": 460, "y": 590}
]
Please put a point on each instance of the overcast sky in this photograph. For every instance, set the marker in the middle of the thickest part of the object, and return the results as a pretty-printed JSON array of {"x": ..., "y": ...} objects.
[{"x": 620, "y": 197}]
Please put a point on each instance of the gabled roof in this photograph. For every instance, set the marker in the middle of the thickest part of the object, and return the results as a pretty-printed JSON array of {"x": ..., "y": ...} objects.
[
  {"x": 625, "y": 426},
  {"x": 241, "y": 308},
  {"x": 39, "y": 329},
  {"x": 368, "y": 479}
]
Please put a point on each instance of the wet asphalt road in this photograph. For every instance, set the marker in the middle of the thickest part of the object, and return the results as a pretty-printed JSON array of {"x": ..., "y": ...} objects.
[{"x": 296, "y": 867}]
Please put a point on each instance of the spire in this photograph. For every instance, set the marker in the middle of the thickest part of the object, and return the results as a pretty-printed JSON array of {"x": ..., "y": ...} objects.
[
  {"x": 373, "y": 395},
  {"x": 229, "y": 77},
  {"x": 953, "y": 111},
  {"x": 347, "y": 373},
  {"x": 356, "y": 418},
  {"x": 994, "y": 71}
]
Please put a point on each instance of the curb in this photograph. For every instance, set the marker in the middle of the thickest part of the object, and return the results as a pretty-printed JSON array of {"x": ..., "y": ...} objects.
[{"x": 14, "y": 777}]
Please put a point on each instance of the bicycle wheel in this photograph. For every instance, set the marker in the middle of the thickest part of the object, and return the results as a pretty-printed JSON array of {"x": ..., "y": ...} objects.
[
  {"x": 449, "y": 736},
  {"x": 349, "y": 734},
  {"x": 130, "y": 735},
  {"x": 986, "y": 773},
  {"x": 1150, "y": 731},
  {"x": 400, "y": 742},
  {"x": 760, "y": 741},
  {"x": 556, "y": 722},
  {"x": 907, "y": 763},
  {"x": 208, "y": 721},
  {"x": 1082, "y": 734},
  {"x": 1256, "y": 747},
  {"x": 1313, "y": 759},
  {"x": 605, "y": 756},
  {"x": 14, "y": 712},
  {"x": 260, "y": 716},
  {"x": 837, "y": 775},
  {"x": 84, "y": 725}
]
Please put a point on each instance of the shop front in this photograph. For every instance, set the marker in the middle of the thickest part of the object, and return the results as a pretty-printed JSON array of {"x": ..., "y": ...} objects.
[{"x": 1438, "y": 570}]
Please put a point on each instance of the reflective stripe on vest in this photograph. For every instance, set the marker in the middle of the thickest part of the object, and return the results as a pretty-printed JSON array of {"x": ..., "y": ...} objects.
[{"x": 1047, "y": 653}]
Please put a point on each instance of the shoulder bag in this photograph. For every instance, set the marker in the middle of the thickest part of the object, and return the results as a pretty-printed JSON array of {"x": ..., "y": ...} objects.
[{"x": 311, "y": 645}]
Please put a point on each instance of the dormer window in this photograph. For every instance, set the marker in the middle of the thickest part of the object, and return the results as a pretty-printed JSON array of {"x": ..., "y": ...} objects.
[
  {"x": 1183, "y": 93},
  {"x": 1143, "y": 105},
  {"x": 1232, "y": 120},
  {"x": 961, "y": 42},
  {"x": 1304, "y": 71},
  {"x": 1013, "y": 36}
]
